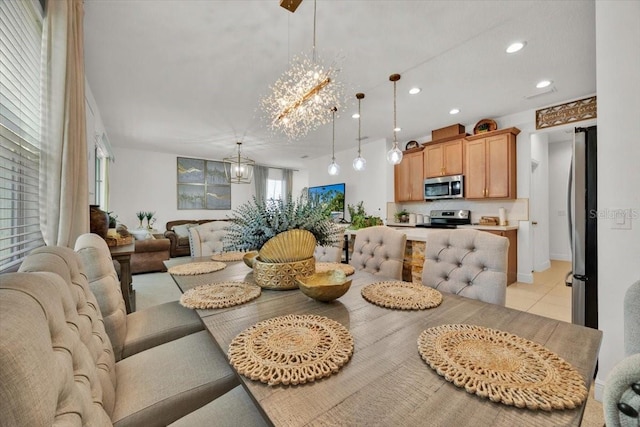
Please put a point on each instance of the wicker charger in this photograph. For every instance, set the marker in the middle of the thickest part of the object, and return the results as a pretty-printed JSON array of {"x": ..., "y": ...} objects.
[
  {"x": 291, "y": 349},
  {"x": 228, "y": 256},
  {"x": 502, "y": 367},
  {"x": 321, "y": 267},
  {"x": 219, "y": 295},
  {"x": 194, "y": 268},
  {"x": 401, "y": 295}
]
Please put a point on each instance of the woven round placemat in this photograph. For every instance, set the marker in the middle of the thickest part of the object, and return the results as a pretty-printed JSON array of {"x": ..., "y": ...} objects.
[
  {"x": 402, "y": 295},
  {"x": 291, "y": 349},
  {"x": 502, "y": 367},
  {"x": 228, "y": 256},
  {"x": 220, "y": 295},
  {"x": 321, "y": 267},
  {"x": 194, "y": 268}
]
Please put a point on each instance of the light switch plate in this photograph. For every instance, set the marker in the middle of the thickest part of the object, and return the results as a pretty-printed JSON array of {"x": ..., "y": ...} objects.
[{"x": 621, "y": 219}]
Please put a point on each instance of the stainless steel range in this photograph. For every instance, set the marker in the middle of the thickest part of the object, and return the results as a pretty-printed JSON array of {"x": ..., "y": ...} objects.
[{"x": 448, "y": 219}]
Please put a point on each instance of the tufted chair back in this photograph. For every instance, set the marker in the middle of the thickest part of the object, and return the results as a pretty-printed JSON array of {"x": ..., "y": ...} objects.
[
  {"x": 469, "y": 263},
  {"x": 379, "y": 250},
  {"x": 328, "y": 253},
  {"x": 103, "y": 280},
  {"x": 621, "y": 399},
  {"x": 88, "y": 322},
  {"x": 208, "y": 238}
]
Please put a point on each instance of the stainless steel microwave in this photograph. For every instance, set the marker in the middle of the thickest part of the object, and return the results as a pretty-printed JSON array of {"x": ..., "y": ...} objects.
[{"x": 444, "y": 187}]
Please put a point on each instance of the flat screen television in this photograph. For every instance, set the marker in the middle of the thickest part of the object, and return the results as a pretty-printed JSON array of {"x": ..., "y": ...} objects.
[{"x": 329, "y": 198}]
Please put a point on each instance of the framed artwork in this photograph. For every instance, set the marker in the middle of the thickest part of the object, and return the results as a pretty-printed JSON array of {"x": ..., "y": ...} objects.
[{"x": 202, "y": 184}]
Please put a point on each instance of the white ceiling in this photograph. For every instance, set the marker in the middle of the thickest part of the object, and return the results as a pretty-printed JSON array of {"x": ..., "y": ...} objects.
[{"x": 187, "y": 76}]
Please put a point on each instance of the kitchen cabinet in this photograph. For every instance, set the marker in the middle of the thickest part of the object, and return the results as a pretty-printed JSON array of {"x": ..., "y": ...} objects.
[
  {"x": 490, "y": 165},
  {"x": 409, "y": 178},
  {"x": 443, "y": 158},
  {"x": 512, "y": 256}
]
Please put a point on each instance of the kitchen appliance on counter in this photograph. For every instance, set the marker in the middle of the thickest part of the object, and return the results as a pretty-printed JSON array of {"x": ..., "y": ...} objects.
[
  {"x": 444, "y": 187},
  {"x": 448, "y": 219}
]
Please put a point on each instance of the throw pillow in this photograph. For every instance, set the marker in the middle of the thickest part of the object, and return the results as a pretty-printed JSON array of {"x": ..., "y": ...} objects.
[
  {"x": 182, "y": 230},
  {"x": 140, "y": 234}
]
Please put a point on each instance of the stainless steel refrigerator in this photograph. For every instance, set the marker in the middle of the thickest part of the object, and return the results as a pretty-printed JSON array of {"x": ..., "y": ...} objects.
[{"x": 583, "y": 230}]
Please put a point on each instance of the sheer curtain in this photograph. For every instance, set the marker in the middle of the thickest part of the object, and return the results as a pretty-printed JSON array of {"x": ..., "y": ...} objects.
[
  {"x": 260, "y": 175},
  {"x": 287, "y": 183},
  {"x": 64, "y": 195}
]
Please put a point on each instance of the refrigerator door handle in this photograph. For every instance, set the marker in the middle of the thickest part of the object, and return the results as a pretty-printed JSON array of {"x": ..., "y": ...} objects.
[{"x": 569, "y": 207}]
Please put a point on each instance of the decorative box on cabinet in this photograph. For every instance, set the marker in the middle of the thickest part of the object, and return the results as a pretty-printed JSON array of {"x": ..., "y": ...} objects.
[
  {"x": 443, "y": 158},
  {"x": 409, "y": 178},
  {"x": 490, "y": 165}
]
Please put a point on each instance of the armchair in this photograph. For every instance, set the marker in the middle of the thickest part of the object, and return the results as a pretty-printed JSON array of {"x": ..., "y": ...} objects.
[{"x": 178, "y": 234}]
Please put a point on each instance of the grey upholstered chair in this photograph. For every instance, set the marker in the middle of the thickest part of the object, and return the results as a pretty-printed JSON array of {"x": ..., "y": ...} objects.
[
  {"x": 379, "y": 250},
  {"x": 208, "y": 238},
  {"x": 466, "y": 262},
  {"x": 142, "y": 329},
  {"x": 621, "y": 401},
  {"x": 328, "y": 253}
]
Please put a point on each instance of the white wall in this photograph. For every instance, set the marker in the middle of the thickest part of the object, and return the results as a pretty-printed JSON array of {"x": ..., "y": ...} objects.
[
  {"x": 373, "y": 186},
  {"x": 147, "y": 181},
  {"x": 559, "y": 163},
  {"x": 539, "y": 198},
  {"x": 618, "y": 86}
]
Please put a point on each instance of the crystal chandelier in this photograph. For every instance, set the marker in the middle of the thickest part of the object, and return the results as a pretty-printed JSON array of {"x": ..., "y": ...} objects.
[
  {"x": 359, "y": 163},
  {"x": 334, "y": 168},
  {"x": 394, "y": 156},
  {"x": 302, "y": 98},
  {"x": 238, "y": 168}
]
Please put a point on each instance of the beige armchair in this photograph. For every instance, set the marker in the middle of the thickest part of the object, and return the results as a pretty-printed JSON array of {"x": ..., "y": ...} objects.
[
  {"x": 137, "y": 331},
  {"x": 208, "y": 238},
  {"x": 328, "y": 253},
  {"x": 470, "y": 263},
  {"x": 379, "y": 250}
]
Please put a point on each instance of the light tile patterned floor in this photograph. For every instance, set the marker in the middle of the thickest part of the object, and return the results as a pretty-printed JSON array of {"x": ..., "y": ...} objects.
[{"x": 546, "y": 296}]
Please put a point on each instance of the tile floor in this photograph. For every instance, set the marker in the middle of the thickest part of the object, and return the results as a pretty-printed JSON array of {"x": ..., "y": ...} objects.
[{"x": 546, "y": 296}]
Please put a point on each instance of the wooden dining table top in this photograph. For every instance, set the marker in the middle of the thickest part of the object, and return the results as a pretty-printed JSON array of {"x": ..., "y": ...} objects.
[{"x": 386, "y": 382}]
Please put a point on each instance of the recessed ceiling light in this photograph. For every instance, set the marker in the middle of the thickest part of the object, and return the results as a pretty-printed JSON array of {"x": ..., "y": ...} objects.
[
  {"x": 454, "y": 111},
  {"x": 397, "y": 129},
  {"x": 414, "y": 90},
  {"x": 355, "y": 116},
  {"x": 514, "y": 47},
  {"x": 543, "y": 83}
]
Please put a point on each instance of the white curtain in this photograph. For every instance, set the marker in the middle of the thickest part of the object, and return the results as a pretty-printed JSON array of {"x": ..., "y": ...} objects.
[
  {"x": 64, "y": 194},
  {"x": 260, "y": 175},
  {"x": 287, "y": 184}
]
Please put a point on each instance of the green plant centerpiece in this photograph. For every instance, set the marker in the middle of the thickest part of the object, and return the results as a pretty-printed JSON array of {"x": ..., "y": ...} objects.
[
  {"x": 360, "y": 219},
  {"x": 284, "y": 234}
]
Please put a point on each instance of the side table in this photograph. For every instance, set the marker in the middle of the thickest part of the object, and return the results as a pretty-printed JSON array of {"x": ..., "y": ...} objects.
[{"x": 122, "y": 254}]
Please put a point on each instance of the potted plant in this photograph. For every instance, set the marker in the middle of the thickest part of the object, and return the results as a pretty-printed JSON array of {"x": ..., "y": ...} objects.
[
  {"x": 402, "y": 216},
  {"x": 360, "y": 219},
  {"x": 141, "y": 215},
  {"x": 113, "y": 223},
  {"x": 285, "y": 234}
]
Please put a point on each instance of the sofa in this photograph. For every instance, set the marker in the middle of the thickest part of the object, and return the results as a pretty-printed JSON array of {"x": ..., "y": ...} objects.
[
  {"x": 150, "y": 254},
  {"x": 178, "y": 234},
  {"x": 58, "y": 364}
]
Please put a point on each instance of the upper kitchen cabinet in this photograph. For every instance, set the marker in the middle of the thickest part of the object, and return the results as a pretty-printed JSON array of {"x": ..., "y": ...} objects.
[
  {"x": 443, "y": 158},
  {"x": 409, "y": 179},
  {"x": 490, "y": 165}
]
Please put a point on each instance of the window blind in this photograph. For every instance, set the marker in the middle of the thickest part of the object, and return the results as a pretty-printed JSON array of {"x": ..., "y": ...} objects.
[{"x": 20, "y": 38}]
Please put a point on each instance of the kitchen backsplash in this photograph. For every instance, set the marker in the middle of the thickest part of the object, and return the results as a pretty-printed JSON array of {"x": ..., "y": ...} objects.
[{"x": 516, "y": 210}]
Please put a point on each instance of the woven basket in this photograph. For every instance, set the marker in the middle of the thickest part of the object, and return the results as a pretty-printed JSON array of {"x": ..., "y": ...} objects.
[{"x": 281, "y": 275}]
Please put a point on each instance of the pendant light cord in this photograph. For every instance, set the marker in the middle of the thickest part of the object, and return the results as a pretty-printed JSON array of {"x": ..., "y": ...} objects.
[
  {"x": 333, "y": 140},
  {"x": 314, "y": 31},
  {"x": 359, "y": 118},
  {"x": 395, "y": 139}
]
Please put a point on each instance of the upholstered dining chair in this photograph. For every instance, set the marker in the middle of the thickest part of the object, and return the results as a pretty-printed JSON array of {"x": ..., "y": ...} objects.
[
  {"x": 621, "y": 400},
  {"x": 142, "y": 329},
  {"x": 208, "y": 238},
  {"x": 328, "y": 253},
  {"x": 466, "y": 262},
  {"x": 379, "y": 250}
]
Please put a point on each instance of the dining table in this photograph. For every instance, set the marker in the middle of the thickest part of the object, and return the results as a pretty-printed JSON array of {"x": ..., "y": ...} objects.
[{"x": 386, "y": 382}]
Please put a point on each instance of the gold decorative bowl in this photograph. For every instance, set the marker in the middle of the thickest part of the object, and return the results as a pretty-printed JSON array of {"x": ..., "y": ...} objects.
[
  {"x": 325, "y": 286},
  {"x": 249, "y": 258},
  {"x": 289, "y": 246}
]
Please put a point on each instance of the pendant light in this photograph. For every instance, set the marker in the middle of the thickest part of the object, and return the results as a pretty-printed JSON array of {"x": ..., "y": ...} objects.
[
  {"x": 359, "y": 163},
  {"x": 238, "y": 168},
  {"x": 394, "y": 156},
  {"x": 334, "y": 168}
]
